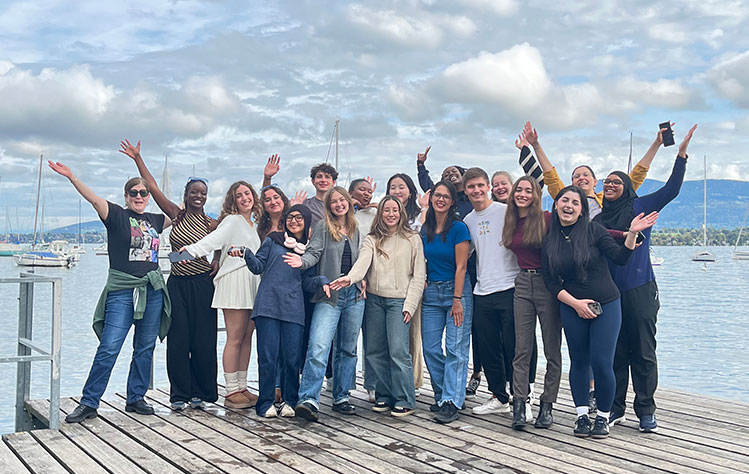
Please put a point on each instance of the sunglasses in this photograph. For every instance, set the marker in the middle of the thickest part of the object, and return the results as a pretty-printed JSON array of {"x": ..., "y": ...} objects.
[
  {"x": 195, "y": 178},
  {"x": 134, "y": 192}
]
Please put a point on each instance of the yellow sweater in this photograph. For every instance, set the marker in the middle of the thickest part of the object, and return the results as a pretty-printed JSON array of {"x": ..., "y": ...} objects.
[
  {"x": 401, "y": 274},
  {"x": 554, "y": 184}
]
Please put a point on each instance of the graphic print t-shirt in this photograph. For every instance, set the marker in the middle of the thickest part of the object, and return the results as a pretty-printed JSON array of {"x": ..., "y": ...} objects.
[{"x": 133, "y": 240}]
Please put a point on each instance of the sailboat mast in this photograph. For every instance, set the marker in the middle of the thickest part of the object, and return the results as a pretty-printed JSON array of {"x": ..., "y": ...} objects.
[
  {"x": 38, "y": 193},
  {"x": 741, "y": 229},
  {"x": 80, "y": 241},
  {"x": 629, "y": 160},
  {"x": 337, "y": 122},
  {"x": 704, "y": 205}
]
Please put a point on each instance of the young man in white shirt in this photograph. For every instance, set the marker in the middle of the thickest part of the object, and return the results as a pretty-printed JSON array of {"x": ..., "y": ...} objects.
[{"x": 494, "y": 290}]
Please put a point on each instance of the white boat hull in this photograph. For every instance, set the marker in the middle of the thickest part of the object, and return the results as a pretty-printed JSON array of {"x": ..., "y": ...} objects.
[
  {"x": 741, "y": 255},
  {"x": 41, "y": 260},
  {"x": 703, "y": 256}
]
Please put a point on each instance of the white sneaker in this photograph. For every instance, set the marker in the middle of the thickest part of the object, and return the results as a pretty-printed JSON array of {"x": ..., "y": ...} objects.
[
  {"x": 492, "y": 406},
  {"x": 286, "y": 411},
  {"x": 271, "y": 412},
  {"x": 372, "y": 397},
  {"x": 328, "y": 385},
  {"x": 417, "y": 392},
  {"x": 528, "y": 411}
]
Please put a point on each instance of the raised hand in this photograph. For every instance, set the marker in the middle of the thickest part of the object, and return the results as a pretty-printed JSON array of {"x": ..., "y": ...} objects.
[
  {"x": 298, "y": 198},
  {"x": 422, "y": 157},
  {"x": 272, "y": 167},
  {"x": 685, "y": 143},
  {"x": 659, "y": 137},
  {"x": 530, "y": 134},
  {"x": 424, "y": 199},
  {"x": 372, "y": 182},
  {"x": 61, "y": 169},
  {"x": 128, "y": 149},
  {"x": 642, "y": 222},
  {"x": 521, "y": 141}
]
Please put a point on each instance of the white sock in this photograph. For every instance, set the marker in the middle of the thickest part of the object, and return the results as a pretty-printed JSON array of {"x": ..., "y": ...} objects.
[
  {"x": 532, "y": 387},
  {"x": 581, "y": 411},
  {"x": 242, "y": 379},
  {"x": 232, "y": 385},
  {"x": 604, "y": 414}
]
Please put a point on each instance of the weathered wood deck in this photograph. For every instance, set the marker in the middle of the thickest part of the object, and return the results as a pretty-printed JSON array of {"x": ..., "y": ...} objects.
[{"x": 697, "y": 435}]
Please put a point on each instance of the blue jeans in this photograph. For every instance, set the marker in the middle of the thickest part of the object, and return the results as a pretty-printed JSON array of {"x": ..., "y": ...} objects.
[
  {"x": 388, "y": 351},
  {"x": 117, "y": 322},
  {"x": 342, "y": 322},
  {"x": 279, "y": 356},
  {"x": 448, "y": 369}
]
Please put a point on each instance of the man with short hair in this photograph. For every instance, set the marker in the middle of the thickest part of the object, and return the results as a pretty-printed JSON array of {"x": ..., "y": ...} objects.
[
  {"x": 324, "y": 177},
  {"x": 497, "y": 268}
]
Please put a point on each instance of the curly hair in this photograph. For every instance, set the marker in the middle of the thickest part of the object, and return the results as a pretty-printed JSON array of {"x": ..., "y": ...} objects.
[
  {"x": 230, "y": 203},
  {"x": 326, "y": 168}
]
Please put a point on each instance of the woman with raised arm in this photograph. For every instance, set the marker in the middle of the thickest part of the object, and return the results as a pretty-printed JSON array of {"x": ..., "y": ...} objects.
[
  {"x": 392, "y": 260},
  {"x": 191, "y": 344},
  {"x": 447, "y": 308},
  {"x": 279, "y": 311},
  {"x": 635, "y": 348},
  {"x": 333, "y": 247},
  {"x": 575, "y": 269},
  {"x": 235, "y": 286},
  {"x": 133, "y": 248}
]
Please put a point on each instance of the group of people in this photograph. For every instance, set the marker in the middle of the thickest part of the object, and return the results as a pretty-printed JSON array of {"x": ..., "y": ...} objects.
[{"x": 473, "y": 261}]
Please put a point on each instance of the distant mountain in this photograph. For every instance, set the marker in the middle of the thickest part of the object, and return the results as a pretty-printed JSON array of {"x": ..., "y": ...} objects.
[{"x": 86, "y": 227}]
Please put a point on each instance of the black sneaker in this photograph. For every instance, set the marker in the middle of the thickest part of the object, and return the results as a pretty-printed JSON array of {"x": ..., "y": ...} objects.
[
  {"x": 473, "y": 385},
  {"x": 307, "y": 411},
  {"x": 435, "y": 407},
  {"x": 592, "y": 404},
  {"x": 401, "y": 411},
  {"x": 615, "y": 418},
  {"x": 344, "y": 408},
  {"x": 380, "y": 407},
  {"x": 82, "y": 412},
  {"x": 447, "y": 414},
  {"x": 648, "y": 424},
  {"x": 582, "y": 426},
  {"x": 140, "y": 407},
  {"x": 600, "y": 428}
]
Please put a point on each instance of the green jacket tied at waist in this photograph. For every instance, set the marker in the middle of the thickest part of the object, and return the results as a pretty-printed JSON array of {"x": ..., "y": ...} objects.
[{"x": 117, "y": 280}]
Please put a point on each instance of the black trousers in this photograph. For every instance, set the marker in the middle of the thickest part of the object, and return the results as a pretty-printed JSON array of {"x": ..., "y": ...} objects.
[
  {"x": 635, "y": 349},
  {"x": 191, "y": 343},
  {"x": 495, "y": 327}
]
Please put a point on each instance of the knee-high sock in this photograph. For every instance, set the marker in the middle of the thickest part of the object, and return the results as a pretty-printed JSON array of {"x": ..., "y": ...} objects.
[{"x": 232, "y": 385}]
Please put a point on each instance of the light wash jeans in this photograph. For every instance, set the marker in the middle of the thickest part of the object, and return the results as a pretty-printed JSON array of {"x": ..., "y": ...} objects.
[
  {"x": 448, "y": 368},
  {"x": 117, "y": 322},
  {"x": 388, "y": 351},
  {"x": 342, "y": 322}
]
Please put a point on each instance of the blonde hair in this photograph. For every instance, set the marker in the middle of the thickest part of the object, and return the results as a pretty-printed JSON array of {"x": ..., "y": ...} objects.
[
  {"x": 380, "y": 230},
  {"x": 331, "y": 221},
  {"x": 534, "y": 229},
  {"x": 230, "y": 203}
]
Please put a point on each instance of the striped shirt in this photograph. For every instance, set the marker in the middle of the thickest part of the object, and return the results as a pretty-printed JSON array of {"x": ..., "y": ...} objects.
[{"x": 190, "y": 229}]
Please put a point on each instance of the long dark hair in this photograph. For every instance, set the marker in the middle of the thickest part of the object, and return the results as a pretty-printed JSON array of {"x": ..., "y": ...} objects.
[
  {"x": 430, "y": 223},
  {"x": 263, "y": 227},
  {"x": 577, "y": 241},
  {"x": 411, "y": 205}
]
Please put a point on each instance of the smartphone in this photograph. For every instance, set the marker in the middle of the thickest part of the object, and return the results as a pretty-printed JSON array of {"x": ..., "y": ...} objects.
[
  {"x": 184, "y": 256},
  {"x": 596, "y": 308},
  {"x": 640, "y": 237},
  {"x": 231, "y": 249},
  {"x": 668, "y": 135}
]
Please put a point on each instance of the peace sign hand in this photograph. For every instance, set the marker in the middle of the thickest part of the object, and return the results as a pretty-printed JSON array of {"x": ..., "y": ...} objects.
[{"x": 422, "y": 157}]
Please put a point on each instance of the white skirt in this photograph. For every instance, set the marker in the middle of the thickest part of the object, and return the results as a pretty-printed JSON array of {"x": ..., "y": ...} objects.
[{"x": 236, "y": 290}]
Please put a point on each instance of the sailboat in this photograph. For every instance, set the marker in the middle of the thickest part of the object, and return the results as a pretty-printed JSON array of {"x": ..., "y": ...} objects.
[
  {"x": 55, "y": 255},
  {"x": 7, "y": 248},
  {"x": 77, "y": 248},
  {"x": 703, "y": 255},
  {"x": 741, "y": 254}
]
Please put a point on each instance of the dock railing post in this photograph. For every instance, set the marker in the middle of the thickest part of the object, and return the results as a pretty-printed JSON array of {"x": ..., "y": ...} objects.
[
  {"x": 55, "y": 346},
  {"x": 24, "y": 420}
]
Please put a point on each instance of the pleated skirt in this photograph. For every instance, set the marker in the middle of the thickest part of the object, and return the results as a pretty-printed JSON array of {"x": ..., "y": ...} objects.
[{"x": 236, "y": 290}]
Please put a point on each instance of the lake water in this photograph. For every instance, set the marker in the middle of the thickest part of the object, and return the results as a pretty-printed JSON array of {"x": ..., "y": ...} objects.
[{"x": 703, "y": 327}]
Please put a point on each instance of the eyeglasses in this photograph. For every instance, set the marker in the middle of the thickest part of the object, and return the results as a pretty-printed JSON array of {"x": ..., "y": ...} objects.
[
  {"x": 134, "y": 192},
  {"x": 444, "y": 197},
  {"x": 613, "y": 182},
  {"x": 295, "y": 217},
  {"x": 270, "y": 186},
  {"x": 195, "y": 178}
]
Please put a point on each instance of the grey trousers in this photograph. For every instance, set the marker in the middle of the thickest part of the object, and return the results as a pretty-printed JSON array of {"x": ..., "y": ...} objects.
[{"x": 532, "y": 299}]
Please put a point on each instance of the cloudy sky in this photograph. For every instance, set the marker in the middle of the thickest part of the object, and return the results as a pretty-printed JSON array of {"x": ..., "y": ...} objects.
[{"x": 218, "y": 86}]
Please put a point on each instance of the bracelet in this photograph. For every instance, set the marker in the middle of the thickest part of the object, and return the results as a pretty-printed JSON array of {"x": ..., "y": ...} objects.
[
  {"x": 457, "y": 297},
  {"x": 73, "y": 181}
]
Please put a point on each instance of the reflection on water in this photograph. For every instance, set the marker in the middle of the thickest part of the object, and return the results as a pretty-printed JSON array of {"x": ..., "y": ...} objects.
[{"x": 702, "y": 328}]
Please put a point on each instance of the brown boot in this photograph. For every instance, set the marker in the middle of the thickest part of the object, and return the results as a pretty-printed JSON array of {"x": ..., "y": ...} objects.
[
  {"x": 251, "y": 397},
  {"x": 237, "y": 400}
]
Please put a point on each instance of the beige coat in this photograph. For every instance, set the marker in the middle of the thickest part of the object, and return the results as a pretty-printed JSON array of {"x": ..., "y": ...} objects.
[{"x": 399, "y": 275}]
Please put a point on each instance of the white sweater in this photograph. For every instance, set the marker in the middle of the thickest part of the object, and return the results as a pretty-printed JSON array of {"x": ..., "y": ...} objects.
[{"x": 233, "y": 231}]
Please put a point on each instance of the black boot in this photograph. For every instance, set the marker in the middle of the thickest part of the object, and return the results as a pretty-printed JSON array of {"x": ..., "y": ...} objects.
[
  {"x": 518, "y": 413},
  {"x": 544, "y": 418}
]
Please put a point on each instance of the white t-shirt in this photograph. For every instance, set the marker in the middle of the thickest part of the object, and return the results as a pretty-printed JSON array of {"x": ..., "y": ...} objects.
[
  {"x": 497, "y": 266},
  {"x": 364, "y": 219}
]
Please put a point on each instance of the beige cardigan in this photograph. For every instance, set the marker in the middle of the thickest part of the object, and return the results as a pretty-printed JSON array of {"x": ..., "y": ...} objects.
[{"x": 400, "y": 275}]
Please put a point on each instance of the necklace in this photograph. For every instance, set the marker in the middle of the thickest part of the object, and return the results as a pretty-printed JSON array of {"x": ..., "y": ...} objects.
[{"x": 566, "y": 235}]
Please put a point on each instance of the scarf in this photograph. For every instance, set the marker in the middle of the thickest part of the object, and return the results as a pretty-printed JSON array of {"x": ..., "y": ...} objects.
[{"x": 286, "y": 238}]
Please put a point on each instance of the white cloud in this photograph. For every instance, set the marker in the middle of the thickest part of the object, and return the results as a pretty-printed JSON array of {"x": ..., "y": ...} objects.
[
  {"x": 669, "y": 32},
  {"x": 396, "y": 28},
  {"x": 500, "y": 7},
  {"x": 661, "y": 93},
  {"x": 730, "y": 76}
]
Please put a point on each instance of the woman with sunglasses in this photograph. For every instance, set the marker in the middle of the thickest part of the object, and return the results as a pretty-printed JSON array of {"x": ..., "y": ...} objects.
[
  {"x": 133, "y": 248},
  {"x": 235, "y": 286},
  {"x": 191, "y": 344},
  {"x": 392, "y": 261},
  {"x": 333, "y": 247},
  {"x": 279, "y": 311},
  {"x": 447, "y": 308}
]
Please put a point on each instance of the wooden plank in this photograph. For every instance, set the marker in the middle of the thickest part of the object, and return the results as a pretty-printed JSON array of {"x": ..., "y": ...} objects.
[
  {"x": 36, "y": 458},
  {"x": 142, "y": 456},
  {"x": 9, "y": 462},
  {"x": 66, "y": 453},
  {"x": 112, "y": 460},
  {"x": 227, "y": 437}
]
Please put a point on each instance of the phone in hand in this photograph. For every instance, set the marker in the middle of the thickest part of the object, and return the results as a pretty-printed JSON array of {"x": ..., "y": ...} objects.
[
  {"x": 668, "y": 135},
  {"x": 183, "y": 256},
  {"x": 596, "y": 308},
  {"x": 640, "y": 238},
  {"x": 241, "y": 249}
]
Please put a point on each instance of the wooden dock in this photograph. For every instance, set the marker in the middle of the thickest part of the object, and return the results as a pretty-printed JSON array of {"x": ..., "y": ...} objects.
[{"x": 696, "y": 435}]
